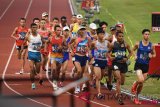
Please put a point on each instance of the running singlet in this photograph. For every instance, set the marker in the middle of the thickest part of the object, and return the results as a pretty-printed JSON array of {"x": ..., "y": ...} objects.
[
  {"x": 119, "y": 51},
  {"x": 75, "y": 28},
  {"x": 21, "y": 33},
  {"x": 81, "y": 46},
  {"x": 35, "y": 43},
  {"x": 100, "y": 52},
  {"x": 67, "y": 41},
  {"x": 55, "y": 52},
  {"x": 143, "y": 53},
  {"x": 45, "y": 36}
]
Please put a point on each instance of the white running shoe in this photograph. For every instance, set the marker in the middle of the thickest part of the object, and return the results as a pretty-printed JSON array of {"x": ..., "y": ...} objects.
[
  {"x": 33, "y": 86},
  {"x": 73, "y": 72},
  {"x": 21, "y": 71},
  {"x": 84, "y": 87},
  {"x": 77, "y": 90},
  {"x": 55, "y": 87}
]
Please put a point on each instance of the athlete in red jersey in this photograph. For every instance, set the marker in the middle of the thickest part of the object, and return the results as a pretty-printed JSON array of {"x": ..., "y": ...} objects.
[
  {"x": 56, "y": 57},
  {"x": 19, "y": 34},
  {"x": 45, "y": 34}
]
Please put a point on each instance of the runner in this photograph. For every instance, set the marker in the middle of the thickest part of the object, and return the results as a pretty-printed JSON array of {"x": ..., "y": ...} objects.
[
  {"x": 45, "y": 17},
  {"x": 77, "y": 25},
  {"x": 67, "y": 37},
  {"x": 63, "y": 21},
  {"x": 111, "y": 39},
  {"x": 82, "y": 44},
  {"x": 19, "y": 34},
  {"x": 100, "y": 58},
  {"x": 58, "y": 43},
  {"x": 145, "y": 51},
  {"x": 55, "y": 22},
  {"x": 119, "y": 58},
  {"x": 45, "y": 34},
  {"x": 104, "y": 26},
  {"x": 37, "y": 21},
  {"x": 34, "y": 56}
]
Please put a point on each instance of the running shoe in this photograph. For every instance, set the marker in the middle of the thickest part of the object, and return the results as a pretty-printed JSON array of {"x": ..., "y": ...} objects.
[
  {"x": 61, "y": 84},
  {"x": 21, "y": 71},
  {"x": 54, "y": 84},
  {"x": 84, "y": 87},
  {"x": 120, "y": 99},
  {"x": 40, "y": 82},
  {"x": 136, "y": 101},
  {"x": 77, "y": 90},
  {"x": 100, "y": 96},
  {"x": 33, "y": 86}
]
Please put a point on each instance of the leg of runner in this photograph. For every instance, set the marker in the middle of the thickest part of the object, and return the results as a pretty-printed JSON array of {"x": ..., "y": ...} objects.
[
  {"x": 137, "y": 86},
  {"x": 32, "y": 73},
  {"x": 19, "y": 55},
  {"x": 118, "y": 77},
  {"x": 63, "y": 72},
  {"x": 79, "y": 75},
  {"x": 23, "y": 54},
  {"x": 44, "y": 62},
  {"x": 54, "y": 74}
]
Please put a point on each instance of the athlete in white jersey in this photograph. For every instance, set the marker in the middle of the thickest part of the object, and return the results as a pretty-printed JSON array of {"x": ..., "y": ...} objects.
[
  {"x": 100, "y": 58},
  {"x": 34, "y": 56}
]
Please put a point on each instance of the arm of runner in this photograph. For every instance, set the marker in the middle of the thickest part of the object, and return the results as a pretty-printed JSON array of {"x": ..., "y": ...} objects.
[
  {"x": 134, "y": 49},
  {"x": 13, "y": 35},
  {"x": 71, "y": 46},
  {"x": 153, "y": 53},
  {"x": 110, "y": 52},
  {"x": 129, "y": 51}
]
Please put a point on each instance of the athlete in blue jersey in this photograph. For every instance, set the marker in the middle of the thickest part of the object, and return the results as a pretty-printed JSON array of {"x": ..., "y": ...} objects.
[
  {"x": 145, "y": 51},
  {"x": 119, "y": 59},
  {"x": 67, "y": 38}
]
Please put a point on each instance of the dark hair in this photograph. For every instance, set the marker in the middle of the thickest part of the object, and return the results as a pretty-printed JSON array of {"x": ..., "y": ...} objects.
[
  {"x": 55, "y": 18},
  {"x": 63, "y": 17},
  {"x": 145, "y": 30},
  {"x": 23, "y": 19},
  {"x": 100, "y": 30},
  {"x": 103, "y": 23},
  {"x": 55, "y": 27},
  {"x": 33, "y": 24},
  {"x": 36, "y": 18},
  {"x": 43, "y": 19},
  {"x": 117, "y": 33}
]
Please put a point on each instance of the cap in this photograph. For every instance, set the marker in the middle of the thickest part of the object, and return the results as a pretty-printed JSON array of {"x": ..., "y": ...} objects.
[
  {"x": 44, "y": 14},
  {"x": 93, "y": 26},
  {"x": 79, "y": 16},
  {"x": 82, "y": 27},
  {"x": 66, "y": 28},
  {"x": 112, "y": 28}
]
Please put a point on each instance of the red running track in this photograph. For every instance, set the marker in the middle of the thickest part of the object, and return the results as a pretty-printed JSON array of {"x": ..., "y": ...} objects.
[{"x": 31, "y": 9}]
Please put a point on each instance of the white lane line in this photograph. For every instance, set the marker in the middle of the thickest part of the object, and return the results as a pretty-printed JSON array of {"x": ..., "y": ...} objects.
[
  {"x": 6, "y": 9},
  {"x": 70, "y": 5},
  {"x": 9, "y": 59},
  {"x": 50, "y": 5}
]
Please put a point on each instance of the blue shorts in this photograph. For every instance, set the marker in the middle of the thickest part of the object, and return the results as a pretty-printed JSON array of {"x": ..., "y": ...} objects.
[
  {"x": 34, "y": 56},
  {"x": 66, "y": 56},
  {"x": 100, "y": 63},
  {"x": 59, "y": 60},
  {"x": 81, "y": 59}
]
